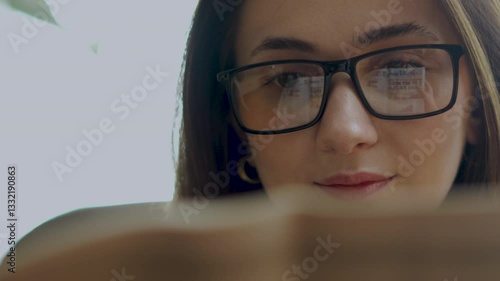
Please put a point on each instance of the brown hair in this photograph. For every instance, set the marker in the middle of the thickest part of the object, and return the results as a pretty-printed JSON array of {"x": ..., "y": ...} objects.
[
  {"x": 479, "y": 24},
  {"x": 209, "y": 146}
]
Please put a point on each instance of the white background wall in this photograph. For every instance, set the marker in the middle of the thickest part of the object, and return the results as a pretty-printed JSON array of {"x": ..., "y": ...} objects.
[{"x": 56, "y": 86}]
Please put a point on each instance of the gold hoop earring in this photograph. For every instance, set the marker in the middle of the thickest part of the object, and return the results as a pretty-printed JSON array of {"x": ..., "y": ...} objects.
[{"x": 243, "y": 174}]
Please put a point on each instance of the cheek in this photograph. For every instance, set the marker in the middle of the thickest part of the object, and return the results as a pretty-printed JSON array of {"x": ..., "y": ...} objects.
[
  {"x": 429, "y": 157},
  {"x": 279, "y": 158},
  {"x": 433, "y": 143}
]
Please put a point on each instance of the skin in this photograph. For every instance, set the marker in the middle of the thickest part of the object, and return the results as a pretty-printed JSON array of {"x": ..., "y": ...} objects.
[{"x": 348, "y": 138}]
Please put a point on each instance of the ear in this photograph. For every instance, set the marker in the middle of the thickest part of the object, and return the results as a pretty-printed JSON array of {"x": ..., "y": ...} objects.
[{"x": 473, "y": 130}]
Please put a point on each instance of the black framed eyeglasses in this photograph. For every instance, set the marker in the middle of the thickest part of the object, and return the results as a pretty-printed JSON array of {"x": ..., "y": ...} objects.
[{"x": 400, "y": 83}]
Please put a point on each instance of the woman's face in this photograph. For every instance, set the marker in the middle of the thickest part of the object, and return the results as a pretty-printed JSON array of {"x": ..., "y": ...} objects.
[{"x": 350, "y": 154}]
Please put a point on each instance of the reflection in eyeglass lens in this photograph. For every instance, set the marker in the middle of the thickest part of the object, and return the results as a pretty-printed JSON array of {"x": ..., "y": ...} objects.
[
  {"x": 403, "y": 86},
  {"x": 405, "y": 83},
  {"x": 399, "y": 83},
  {"x": 302, "y": 96}
]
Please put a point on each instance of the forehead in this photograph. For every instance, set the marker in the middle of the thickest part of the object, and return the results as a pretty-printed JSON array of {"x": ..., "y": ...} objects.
[{"x": 328, "y": 24}]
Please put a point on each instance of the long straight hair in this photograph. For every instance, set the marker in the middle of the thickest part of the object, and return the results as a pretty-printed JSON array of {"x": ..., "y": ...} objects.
[
  {"x": 209, "y": 146},
  {"x": 479, "y": 24}
]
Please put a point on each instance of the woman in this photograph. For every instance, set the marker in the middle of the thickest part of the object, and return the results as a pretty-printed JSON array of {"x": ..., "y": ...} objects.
[{"x": 368, "y": 101}]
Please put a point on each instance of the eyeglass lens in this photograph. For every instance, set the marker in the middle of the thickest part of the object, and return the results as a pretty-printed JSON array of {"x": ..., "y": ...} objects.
[{"x": 398, "y": 83}]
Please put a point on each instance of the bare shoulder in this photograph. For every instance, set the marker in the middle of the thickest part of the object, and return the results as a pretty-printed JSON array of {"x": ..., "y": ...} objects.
[{"x": 82, "y": 226}]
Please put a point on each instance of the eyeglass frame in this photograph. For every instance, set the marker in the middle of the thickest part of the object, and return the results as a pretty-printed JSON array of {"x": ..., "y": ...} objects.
[{"x": 455, "y": 51}]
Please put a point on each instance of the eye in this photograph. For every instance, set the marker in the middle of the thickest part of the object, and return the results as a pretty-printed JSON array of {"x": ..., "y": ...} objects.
[
  {"x": 402, "y": 64},
  {"x": 288, "y": 79},
  {"x": 285, "y": 80}
]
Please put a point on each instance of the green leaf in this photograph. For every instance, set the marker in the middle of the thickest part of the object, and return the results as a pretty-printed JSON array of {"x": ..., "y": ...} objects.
[
  {"x": 94, "y": 48},
  {"x": 35, "y": 8}
]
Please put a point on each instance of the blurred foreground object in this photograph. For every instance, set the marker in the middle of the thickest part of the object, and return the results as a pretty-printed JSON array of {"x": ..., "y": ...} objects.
[
  {"x": 301, "y": 238},
  {"x": 35, "y": 8}
]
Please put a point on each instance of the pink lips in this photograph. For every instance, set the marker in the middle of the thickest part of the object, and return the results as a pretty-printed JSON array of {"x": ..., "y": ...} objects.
[{"x": 354, "y": 186}]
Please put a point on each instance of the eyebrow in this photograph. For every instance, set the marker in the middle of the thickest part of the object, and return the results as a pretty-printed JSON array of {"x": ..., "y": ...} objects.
[
  {"x": 283, "y": 43},
  {"x": 371, "y": 37},
  {"x": 393, "y": 31}
]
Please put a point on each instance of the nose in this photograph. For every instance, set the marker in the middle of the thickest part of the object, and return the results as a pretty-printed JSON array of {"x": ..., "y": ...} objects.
[{"x": 346, "y": 126}]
